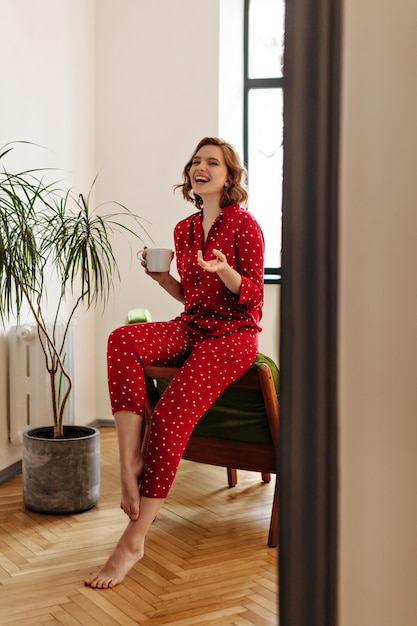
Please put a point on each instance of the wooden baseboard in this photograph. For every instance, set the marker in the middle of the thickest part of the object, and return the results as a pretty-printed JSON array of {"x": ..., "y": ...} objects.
[
  {"x": 102, "y": 423},
  {"x": 10, "y": 472}
]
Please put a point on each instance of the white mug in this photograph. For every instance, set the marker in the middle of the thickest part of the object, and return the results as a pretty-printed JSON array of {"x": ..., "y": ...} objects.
[{"x": 157, "y": 259}]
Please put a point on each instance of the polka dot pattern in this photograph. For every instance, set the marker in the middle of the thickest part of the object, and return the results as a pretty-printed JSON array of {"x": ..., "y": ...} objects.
[
  {"x": 129, "y": 349},
  {"x": 214, "y": 341},
  {"x": 212, "y": 365},
  {"x": 209, "y": 305}
]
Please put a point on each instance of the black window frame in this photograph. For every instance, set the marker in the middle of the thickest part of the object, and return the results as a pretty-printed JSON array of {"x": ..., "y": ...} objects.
[{"x": 272, "y": 275}]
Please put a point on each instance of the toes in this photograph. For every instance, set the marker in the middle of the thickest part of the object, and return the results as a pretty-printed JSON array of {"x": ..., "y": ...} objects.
[
  {"x": 98, "y": 583},
  {"x": 104, "y": 584},
  {"x": 131, "y": 511},
  {"x": 134, "y": 513}
]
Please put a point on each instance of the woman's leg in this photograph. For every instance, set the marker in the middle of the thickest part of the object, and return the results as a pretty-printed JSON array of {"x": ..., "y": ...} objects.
[
  {"x": 129, "y": 436},
  {"x": 129, "y": 549},
  {"x": 130, "y": 348}
]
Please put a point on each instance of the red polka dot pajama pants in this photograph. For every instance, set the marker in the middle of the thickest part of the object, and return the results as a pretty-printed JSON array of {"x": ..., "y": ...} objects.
[{"x": 208, "y": 366}]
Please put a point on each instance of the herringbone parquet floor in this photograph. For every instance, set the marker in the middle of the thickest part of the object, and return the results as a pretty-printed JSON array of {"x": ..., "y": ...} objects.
[{"x": 206, "y": 561}]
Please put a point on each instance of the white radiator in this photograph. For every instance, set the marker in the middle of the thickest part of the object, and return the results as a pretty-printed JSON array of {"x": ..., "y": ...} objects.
[{"x": 30, "y": 403}]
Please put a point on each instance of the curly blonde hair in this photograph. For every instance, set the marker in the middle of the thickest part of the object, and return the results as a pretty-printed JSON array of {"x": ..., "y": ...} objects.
[{"x": 235, "y": 193}]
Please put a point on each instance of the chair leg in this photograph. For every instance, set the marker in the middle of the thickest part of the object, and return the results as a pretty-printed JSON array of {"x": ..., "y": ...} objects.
[
  {"x": 266, "y": 477},
  {"x": 231, "y": 477},
  {"x": 273, "y": 527}
]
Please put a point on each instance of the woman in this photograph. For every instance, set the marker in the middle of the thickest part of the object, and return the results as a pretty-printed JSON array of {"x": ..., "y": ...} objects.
[{"x": 219, "y": 254}]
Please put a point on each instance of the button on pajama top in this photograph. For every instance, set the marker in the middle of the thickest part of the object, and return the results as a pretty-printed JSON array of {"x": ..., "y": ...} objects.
[{"x": 214, "y": 340}]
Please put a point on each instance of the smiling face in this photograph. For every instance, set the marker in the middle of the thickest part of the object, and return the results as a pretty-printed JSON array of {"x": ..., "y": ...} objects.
[
  {"x": 219, "y": 168},
  {"x": 208, "y": 173}
]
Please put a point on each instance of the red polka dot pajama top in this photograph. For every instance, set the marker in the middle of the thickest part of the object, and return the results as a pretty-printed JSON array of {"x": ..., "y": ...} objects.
[{"x": 215, "y": 340}]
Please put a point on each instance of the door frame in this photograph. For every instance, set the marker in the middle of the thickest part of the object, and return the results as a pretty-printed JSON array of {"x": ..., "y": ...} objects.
[{"x": 308, "y": 479}]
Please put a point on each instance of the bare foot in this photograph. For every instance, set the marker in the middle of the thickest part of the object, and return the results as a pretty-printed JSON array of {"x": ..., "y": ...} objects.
[
  {"x": 127, "y": 552},
  {"x": 130, "y": 479}
]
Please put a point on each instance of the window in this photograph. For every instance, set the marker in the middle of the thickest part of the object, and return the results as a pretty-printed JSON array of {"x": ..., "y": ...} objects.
[{"x": 262, "y": 120}]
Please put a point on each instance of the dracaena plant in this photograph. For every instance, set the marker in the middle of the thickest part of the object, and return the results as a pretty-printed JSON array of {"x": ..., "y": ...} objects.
[{"x": 44, "y": 229}]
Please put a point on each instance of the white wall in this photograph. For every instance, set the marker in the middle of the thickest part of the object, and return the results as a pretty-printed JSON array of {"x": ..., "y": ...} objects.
[
  {"x": 47, "y": 97},
  {"x": 158, "y": 95},
  {"x": 128, "y": 88},
  {"x": 378, "y": 316}
]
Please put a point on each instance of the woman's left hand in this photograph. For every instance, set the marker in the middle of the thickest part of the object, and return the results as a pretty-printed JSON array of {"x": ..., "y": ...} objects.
[
  {"x": 217, "y": 264},
  {"x": 231, "y": 278}
]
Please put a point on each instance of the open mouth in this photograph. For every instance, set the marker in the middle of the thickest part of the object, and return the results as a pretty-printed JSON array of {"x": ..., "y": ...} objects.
[{"x": 201, "y": 179}]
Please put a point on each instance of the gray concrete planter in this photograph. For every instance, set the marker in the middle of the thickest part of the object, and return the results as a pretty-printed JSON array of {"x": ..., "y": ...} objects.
[{"x": 61, "y": 476}]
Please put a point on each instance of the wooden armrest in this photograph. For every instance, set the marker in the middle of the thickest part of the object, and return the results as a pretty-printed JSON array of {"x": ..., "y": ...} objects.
[{"x": 154, "y": 371}]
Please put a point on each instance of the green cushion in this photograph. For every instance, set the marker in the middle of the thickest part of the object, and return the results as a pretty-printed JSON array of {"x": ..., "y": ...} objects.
[{"x": 237, "y": 414}]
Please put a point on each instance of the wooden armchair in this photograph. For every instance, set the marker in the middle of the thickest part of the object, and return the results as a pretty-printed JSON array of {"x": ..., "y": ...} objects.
[{"x": 239, "y": 431}]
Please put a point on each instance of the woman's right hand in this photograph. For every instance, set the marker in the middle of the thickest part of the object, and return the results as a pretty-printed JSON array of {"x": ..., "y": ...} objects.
[
  {"x": 159, "y": 277},
  {"x": 165, "y": 280}
]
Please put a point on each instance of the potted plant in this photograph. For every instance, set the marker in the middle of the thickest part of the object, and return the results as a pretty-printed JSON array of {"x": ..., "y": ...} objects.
[{"x": 47, "y": 229}]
